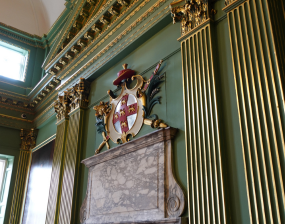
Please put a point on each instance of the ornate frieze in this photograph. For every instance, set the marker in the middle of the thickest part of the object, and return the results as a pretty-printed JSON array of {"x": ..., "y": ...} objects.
[
  {"x": 7, "y": 100},
  {"x": 28, "y": 139},
  {"x": 191, "y": 13}
]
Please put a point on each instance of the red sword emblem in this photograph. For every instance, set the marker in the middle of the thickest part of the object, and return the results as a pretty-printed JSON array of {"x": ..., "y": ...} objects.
[{"x": 125, "y": 111}]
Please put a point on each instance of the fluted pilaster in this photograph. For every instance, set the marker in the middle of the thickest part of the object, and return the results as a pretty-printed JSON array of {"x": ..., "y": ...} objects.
[
  {"x": 28, "y": 142},
  {"x": 260, "y": 102}
]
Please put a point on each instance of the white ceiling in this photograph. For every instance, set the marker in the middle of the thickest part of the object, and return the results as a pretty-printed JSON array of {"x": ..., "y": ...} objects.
[{"x": 32, "y": 16}]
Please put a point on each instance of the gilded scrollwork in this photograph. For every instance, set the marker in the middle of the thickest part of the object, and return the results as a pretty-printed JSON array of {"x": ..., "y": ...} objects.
[{"x": 191, "y": 14}]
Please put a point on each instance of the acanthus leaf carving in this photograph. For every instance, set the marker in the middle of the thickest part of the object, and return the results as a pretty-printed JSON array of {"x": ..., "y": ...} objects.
[
  {"x": 62, "y": 107},
  {"x": 191, "y": 14},
  {"x": 78, "y": 95},
  {"x": 28, "y": 139}
]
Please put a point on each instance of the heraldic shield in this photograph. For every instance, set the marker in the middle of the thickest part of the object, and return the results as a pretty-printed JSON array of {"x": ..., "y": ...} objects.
[
  {"x": 123, "y": 116},
  {"x": 127, "y": 115}
]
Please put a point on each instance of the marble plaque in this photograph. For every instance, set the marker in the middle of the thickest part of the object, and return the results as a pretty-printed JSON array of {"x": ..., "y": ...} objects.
[{"x": 133, "y": 183}]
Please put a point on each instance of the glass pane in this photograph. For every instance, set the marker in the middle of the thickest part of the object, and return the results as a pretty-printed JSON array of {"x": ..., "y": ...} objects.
[{"x": 12, "y": 63}]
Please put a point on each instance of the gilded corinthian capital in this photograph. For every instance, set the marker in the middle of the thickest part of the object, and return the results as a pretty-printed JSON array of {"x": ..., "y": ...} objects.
[
  {"x": 62, "y": 106},
  {"x": 78, "y": 95},
  {"x": 28, "y": 139},
  {"x": 191, "y": 13}
]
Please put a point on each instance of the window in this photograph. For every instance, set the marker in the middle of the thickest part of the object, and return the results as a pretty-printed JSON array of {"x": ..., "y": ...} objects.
[{"x": 13, "y": 61}]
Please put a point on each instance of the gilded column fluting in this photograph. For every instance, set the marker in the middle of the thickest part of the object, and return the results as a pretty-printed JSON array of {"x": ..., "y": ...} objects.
[
  {"x": 78, "y": 96},
  {"x": 260, "y": 103},
  {"x": 202, "y": 135},
  {"x": 28, "y": 142},
  {"x": 62, "y": 108}
]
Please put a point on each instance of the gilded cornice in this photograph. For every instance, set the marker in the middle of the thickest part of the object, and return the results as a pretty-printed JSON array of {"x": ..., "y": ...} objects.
[
  {"x": 9, "y": 106},
  {"x": 13, "y": 95},
  {"x": 69, "y": 24},
  {"x": 20, "y": 31},
  {"x": 12, "y": 123},
  {"x": 86, "y": 50},
  {"x": 28, "y": 139},
  {"x": 96, "y": 18},
  {"x": 25, "y": 40},
  {"x": 115, "y": 41},
  {"x": 46, "y": 91}
]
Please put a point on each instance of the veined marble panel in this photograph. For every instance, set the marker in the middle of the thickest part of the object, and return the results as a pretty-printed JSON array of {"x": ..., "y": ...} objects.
[{"x": 133, "y": 185}]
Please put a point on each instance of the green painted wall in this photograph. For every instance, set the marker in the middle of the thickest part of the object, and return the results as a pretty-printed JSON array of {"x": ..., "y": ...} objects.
[
  {"x": 10, "y": 145},
  {"x": 48, "y": 130}
]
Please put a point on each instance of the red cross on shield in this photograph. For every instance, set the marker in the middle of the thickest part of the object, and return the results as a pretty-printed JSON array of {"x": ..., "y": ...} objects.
[{"x": 125, "y": 113}]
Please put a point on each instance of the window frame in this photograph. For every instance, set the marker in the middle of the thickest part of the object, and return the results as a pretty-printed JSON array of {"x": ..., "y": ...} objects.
[{"x": 24, "y": 75}]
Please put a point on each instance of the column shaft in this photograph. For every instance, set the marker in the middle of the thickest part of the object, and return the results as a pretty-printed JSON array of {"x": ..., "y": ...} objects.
[
  {"x": 205, "y": 177},
  {"x": 20, "y": 185},
  {"x": 57, "y": 173},
  {"x": 72, "y": 161}
]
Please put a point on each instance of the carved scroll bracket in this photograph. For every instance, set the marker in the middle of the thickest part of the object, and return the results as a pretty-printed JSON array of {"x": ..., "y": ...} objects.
[
  {"x": 191, "y": 13},
  {"x": 28, "y": 139}
]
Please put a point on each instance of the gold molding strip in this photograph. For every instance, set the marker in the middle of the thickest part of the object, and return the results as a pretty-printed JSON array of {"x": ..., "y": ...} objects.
[
  {"x": 204, "y": 164},
  {"x": 45, "y": 142},
  {"x": 15, "y": 118},
  {"x": 15, "y": 85},
  {"x": 260, "y": 103}
]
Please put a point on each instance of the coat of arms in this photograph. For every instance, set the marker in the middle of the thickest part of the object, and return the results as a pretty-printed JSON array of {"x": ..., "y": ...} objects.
[{"x": 122, "y": 117}]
